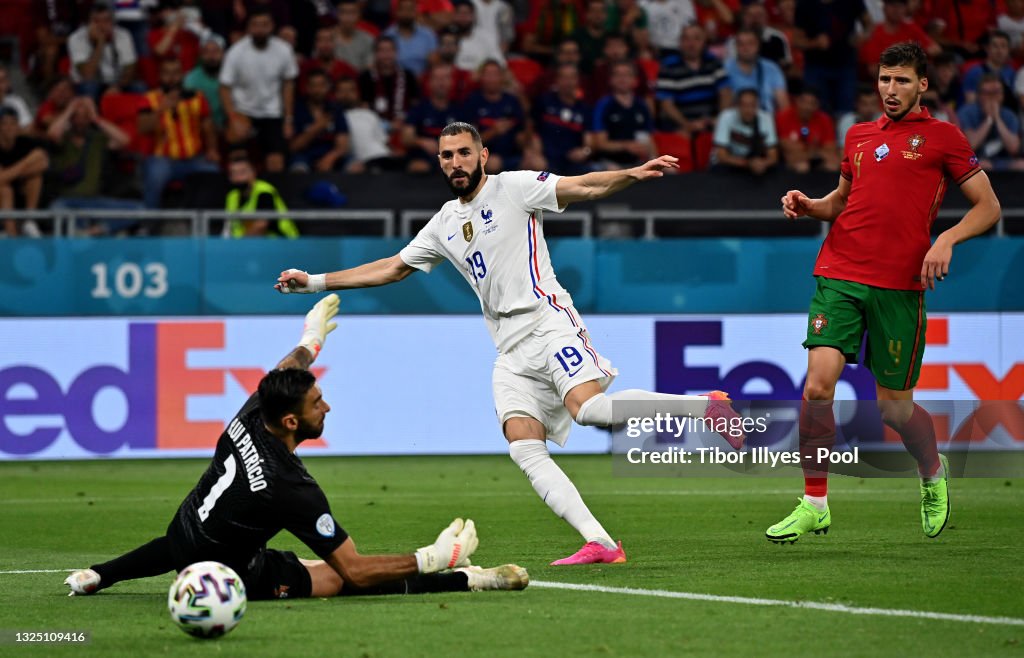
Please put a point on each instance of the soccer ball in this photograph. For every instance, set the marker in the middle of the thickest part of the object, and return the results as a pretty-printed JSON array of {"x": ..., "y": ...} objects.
[{"x": 207, "y": 599}]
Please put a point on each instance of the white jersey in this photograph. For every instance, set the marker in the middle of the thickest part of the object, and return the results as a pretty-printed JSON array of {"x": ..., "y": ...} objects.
[{"x": 497, "y": 242}]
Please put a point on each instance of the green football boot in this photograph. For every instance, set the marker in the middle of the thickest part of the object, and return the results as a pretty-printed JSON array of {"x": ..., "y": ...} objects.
[
  {"x": 805, "y": 518},
  {"x": 935, "y": 502}
]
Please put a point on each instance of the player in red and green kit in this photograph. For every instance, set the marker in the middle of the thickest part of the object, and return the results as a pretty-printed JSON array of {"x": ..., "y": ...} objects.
[{"x": 872, "y": 271}]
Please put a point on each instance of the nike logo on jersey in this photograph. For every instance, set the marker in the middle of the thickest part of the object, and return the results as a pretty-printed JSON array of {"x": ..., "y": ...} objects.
[
  {"x": 860, "y": 144},
  {"x": 452, "y": 236},
  {"x": 575, "y": 371}
]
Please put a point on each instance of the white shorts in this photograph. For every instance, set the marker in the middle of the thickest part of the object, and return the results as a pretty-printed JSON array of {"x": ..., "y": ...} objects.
[{"x": 534, "y": 376}]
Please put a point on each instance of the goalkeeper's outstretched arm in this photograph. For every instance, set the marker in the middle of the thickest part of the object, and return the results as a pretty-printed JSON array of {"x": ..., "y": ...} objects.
[
  {"x": 314, "y": 333},
  {"x": 378, "y": 273}
]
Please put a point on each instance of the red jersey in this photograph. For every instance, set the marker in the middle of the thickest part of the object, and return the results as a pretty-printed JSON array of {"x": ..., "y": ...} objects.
[
  {"x": 898, "y": 172},
  {"x": 881, "y": 38},
  {"x": 819, "y": 130}
]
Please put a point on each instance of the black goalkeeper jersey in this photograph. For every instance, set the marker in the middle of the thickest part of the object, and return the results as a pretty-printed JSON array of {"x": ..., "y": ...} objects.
[{"x": 253, "y": 489}]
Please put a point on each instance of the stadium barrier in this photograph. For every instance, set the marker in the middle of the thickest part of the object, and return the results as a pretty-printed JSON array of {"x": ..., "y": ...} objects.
[
  {"x": 186, "y": 276},
  {"x": 136, "y": 387}
]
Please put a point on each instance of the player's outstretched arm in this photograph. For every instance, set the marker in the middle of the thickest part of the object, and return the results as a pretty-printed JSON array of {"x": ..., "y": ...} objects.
[
  {"x": 982, "y": 216},
  {"x": 796, "y": 204},
  {"x": 378, "y": 273},
  {"x": 314, "y": 333},
  {"x": 599, "y": 184},
  {"x": 453, "y": 547}
]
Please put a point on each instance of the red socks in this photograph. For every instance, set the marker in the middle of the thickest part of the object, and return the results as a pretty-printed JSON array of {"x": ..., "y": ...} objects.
[{"x": 817, "y": 430}]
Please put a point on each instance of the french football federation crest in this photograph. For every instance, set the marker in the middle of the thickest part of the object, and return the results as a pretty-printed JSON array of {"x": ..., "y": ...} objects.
[
  {"x": 486, "y": 214},
  {"x": 467, "y": 231},
  {"x": 819, "y": 322},
  {"x": 881, "y": 152}
]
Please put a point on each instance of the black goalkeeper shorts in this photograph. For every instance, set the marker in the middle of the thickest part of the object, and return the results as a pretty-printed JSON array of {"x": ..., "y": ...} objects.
[{"x": 276, "y": 575}]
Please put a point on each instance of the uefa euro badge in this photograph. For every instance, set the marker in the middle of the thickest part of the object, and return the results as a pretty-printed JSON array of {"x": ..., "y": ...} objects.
[
  {"x": 881, "y": 152},
  {"x": 467, "y": 231},
  {"x": 819, "y": 322}
]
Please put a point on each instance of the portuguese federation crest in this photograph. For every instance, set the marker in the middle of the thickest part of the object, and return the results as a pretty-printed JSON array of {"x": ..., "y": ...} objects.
[
  {"x": 915, "y": 142},
  {"x": 818, "y": 323}
]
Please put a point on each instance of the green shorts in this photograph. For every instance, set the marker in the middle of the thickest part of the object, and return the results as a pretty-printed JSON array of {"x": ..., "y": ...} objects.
[{"x": 841, "y": 311}]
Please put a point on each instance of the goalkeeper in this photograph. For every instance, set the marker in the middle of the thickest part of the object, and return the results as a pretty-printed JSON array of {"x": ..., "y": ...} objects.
[{"x": 256, "y": 486}]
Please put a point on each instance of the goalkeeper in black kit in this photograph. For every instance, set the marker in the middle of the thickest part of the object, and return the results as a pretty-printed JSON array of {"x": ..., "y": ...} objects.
[{"x": 256, "y": 486}]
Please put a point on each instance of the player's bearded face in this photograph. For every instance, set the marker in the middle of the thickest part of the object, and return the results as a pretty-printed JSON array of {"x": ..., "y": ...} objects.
[
  {"x": 462, "y": 182},
  {"x": 900, "y": 90}
]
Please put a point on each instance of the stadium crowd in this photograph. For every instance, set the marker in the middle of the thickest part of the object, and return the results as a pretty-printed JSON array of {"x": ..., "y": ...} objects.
[{"x": 136, "y": 95}]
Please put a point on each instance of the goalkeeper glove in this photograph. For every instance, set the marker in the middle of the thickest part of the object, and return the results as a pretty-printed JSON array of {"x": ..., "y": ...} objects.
[
  {"x": 318, "y": 324},
  {"x": 289, "y": 282},
  {"x": 452, "y": 549}
]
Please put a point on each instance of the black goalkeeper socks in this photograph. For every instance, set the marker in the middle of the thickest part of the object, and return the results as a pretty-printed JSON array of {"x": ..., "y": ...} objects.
[
  {"x": 427, "y": 583},
  {"x": 150, "y": 559}
]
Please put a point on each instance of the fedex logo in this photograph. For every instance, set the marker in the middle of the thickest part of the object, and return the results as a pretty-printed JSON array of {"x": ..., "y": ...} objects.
[
  {"x": 155, "y": 384},
  {"x": 676, "y": 341}
]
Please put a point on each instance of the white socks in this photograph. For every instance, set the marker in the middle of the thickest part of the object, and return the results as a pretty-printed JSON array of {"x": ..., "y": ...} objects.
[
  {"x": 556, "y": 489},
  {"x": 820, "y": 502},
  {"x": 598, "y": 411}
]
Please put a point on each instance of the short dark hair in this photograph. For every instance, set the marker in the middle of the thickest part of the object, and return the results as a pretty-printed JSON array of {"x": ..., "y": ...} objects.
[
  {"x": 906, "y": 53},
  {"x": 259, "y": 10},
  {"x": 318, "y": 73},
  {"x": 100, "y": 8},
  {"x": 239, "y": 155},
  {"x": 6, "y": 112},
  {"x": 282, "y": 392},
  {"x": 748, "y": 91},
  {"x": 460, "y": 127}
]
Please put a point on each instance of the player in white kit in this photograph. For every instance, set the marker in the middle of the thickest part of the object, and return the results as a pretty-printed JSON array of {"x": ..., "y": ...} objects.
[{"x": 547, "y": 371}]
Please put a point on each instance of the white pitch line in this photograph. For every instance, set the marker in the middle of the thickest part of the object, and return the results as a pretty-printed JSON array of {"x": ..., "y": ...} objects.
[
  {"x": 16, "y": 572},
  {"x": 812, "y": 605}
]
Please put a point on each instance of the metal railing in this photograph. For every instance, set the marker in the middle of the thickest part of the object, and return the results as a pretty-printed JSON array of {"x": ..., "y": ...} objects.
[{"x": 69, "y": 222}]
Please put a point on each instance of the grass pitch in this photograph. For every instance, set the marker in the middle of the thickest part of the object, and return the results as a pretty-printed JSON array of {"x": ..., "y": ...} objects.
[{"x": 703, "y": 536}]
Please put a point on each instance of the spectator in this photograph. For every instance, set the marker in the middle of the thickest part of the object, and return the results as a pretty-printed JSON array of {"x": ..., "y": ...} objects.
[
  {"x": 745, "y": 138},
  {"x": 592, "y": 34},
  {"x": 369, "y": 141},
  {"x": 323, "y": 58},
  {"x": 616, "y": 49},
  {"x": 622, "y": 122},
  {"x": 499, "y": 117},
  {"x": 205, "y": 77},
  {"x": 960, "y": 25},
  {"x": 476, "y": 46},
  {"x": 352, "y": 45},
  {"x": 568, "y": 52},
  {"x": 170, "y": 38},
  {"x": 945, "y": 81},
  {"x": 896, "y": 27},
  {"x": 774, "y": 42},
  {"x": 550, "y": 22},
  {"x": 22, "y": 163},
  {"x": 717, "y": 17},
  {"x": 867, "y": 109},
  {"x": 628, "y": 18},
  {"x": 387, "y": 88},
  {"x": 181, "y": 123},
  {"x": 425, "y": 121},
  {"x": 561, "y": 120},
  {"x": 80, "y": 165},
  {"x": 54, "y": 21},
  {"x": 807, "y": 135},
  {"x": 436, "y": 15},
  {"x": 997, "y": 62},
  {"x": 495, "y": 22},
  {"x": 692, "y": 86},
  {"x": 57, "y": 100},
  {"x": 1011, "y": 21},
  {"x": 257, "y": 89},
  {"x": 250, "y": 194},
  {"x": 462, "y": 80},
  {"x": 666, "y": 20},
  {"x": 101, "y": 54},
  {"x": 415, "y": 42},
  {"x": 787, "y": 26},
  {"x": 751, "y": 71},
  {"x": 14, "y": 101},
  {"x": 992, "y": 130},
  {"x": 321, "y": 132},
  {"x": 825, "y": 31}
]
